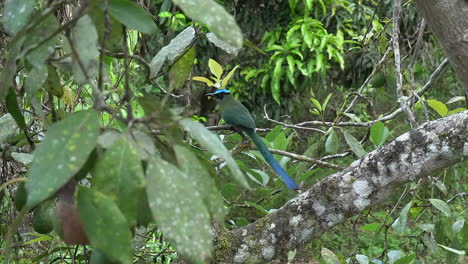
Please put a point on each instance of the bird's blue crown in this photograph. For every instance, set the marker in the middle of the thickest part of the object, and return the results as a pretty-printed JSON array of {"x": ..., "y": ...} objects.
[{"x": 222, "y": 91}]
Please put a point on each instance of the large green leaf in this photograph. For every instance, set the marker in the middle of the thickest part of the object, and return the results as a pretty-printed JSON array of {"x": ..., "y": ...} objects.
[
  {"x": 105, "y": 225},
  {"x": 215, "y": 17},
  {"x": 354, "y": 144},
  {"x": 202, "y": 182},
  {"x": 119, "y": 175},
  {"x": 132, "y": 15},
  {"x": 64, "y": 150},
  {"x": 179, "y": 209},
  {"x": 85, "y": 40},
  {"x": 211, "y": 142},
  {"x": 16, "y": 14},
  {"x": 38, "y": 55},
  {"x": 175, "y": 48}
]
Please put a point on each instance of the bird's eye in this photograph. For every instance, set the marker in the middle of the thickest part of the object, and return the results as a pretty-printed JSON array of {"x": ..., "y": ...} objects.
[{"x": 219, "y": 96}]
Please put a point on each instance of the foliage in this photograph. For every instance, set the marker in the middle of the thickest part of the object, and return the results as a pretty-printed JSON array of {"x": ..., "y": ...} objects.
[{"x": 89, "y": 120}]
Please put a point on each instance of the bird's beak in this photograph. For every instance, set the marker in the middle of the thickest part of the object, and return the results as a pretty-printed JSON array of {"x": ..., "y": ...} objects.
[{"x": 209, "y": 94}]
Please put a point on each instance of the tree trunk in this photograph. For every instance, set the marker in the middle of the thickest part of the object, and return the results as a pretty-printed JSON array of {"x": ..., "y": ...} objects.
[{"x": 448, "y": 19}]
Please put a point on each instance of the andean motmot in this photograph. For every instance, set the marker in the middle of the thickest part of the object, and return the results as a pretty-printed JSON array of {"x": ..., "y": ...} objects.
[{"x": 236, "y": 114}]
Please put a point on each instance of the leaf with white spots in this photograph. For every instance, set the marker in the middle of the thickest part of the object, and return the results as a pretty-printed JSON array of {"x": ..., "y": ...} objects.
[
  {"x": 354, "y": 144},
  {"x": 215, "y": 17},
  {"x": 179, "y": 209},
  {"x": 85, "y": 40},
  {"x": 16, "y": 14},
  {"x": 105, "y": 225},
  {"x": 202, "y": 182},
  {"x": 442, "y": 206},
  {"x": 61, "y": 154},
  {"x": 171, "y": 51},
  {"x": 211, "y": 142},
  {"x": 119, "y": 175},
  {"x": 8, "y": 128},
  {"x": 329, "y": 256},
  {"x": 458, "y": 225},
  {"x": 43, "y": 30}
]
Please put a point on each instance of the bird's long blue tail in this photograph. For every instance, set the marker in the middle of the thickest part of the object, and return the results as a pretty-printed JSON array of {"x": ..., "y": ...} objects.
[{"x": 270, "y": 159}]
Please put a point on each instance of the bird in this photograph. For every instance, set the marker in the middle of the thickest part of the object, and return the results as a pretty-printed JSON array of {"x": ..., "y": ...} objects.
[{"x": 236, "y": 114}]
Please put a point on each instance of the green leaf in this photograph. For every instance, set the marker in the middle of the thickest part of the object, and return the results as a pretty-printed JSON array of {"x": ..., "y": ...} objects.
[
  {"x": 226, "y": 79},
  {"x": 8, "y": 72},
  {"x": 119, "y": 175},
  {"x": 52, "y": 84},
  {"x": 456, "y": 110},
  {"x": 215, "y": 17},
  {"x": 400, "y": 223},
  {"x": 36, "y": 77},
  {"x": 456, "y": 251},
  {"x": 215, "y": 69},
  {"x": 132, "y": 15},
  {"x": 458, "y": 225},
  {"x": 329, "y": 256},
  {"x": 258, "y": 207},
  {"x": 203, "y": 79},
  {"x": 277, "y": 74},
  {"x": 211, "y": 142},
  {"x": 179, "y": 210},
  {"x": 42, "y": 31},
  {"x": 354, "y": 144},
  {"x": 406, "y": 259},
  {"x": 61, "y": 154},
  {"x": 85, "y": 40},
  {"x": 7, "y": 128},
  {"x": 180, "y": 70},
  {"x": 202, "y": 182},
  {"x": 24, "y": 158},
  {"x": 170, "y": 52},
  {"x": 14, "y": 110},
  {"x": 332, "y": 143},
  {"x": 16, "y": 14},
  {"x": 442, "y": 206},
  {"x": 379, "y": 133},
  {"x": 105, "y": 225},
  {"x": 438, "y": 106},
  {"x": 222, "y": 44},
  {"x": 362, "y": 259},
  {"x": 371, "y": 227},
  {"x": 317, "y": 104},
  {"x": 325, "y": 103}
]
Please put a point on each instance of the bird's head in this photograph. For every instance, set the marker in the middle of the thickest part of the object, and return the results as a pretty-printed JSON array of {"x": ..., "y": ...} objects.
[{"x": 219, "y": 94}]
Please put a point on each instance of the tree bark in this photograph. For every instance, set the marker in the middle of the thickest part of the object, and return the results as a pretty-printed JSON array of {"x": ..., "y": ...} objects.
[
  {"x": 365, "y": 183},
  {"x": 448, "y": 19}
]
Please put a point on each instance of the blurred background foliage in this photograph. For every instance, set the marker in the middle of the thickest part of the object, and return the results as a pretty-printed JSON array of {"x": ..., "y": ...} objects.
[{"x": 302, "y": 60}]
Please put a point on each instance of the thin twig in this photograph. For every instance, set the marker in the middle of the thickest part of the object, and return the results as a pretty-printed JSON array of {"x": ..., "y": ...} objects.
[
  {"x": 306, "y": 159},
  {"x": 402, "y": 98}
]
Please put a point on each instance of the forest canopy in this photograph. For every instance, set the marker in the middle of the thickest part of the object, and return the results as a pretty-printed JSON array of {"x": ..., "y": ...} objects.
[{"x": 112, "y": 152}]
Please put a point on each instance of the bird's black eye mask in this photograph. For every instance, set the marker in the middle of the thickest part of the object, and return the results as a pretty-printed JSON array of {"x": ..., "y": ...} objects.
[{"x": 219, "y": 94}]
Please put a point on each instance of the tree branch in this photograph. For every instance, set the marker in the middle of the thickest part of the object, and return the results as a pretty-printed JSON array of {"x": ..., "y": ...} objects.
[{"x": 365, "y": 183}]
